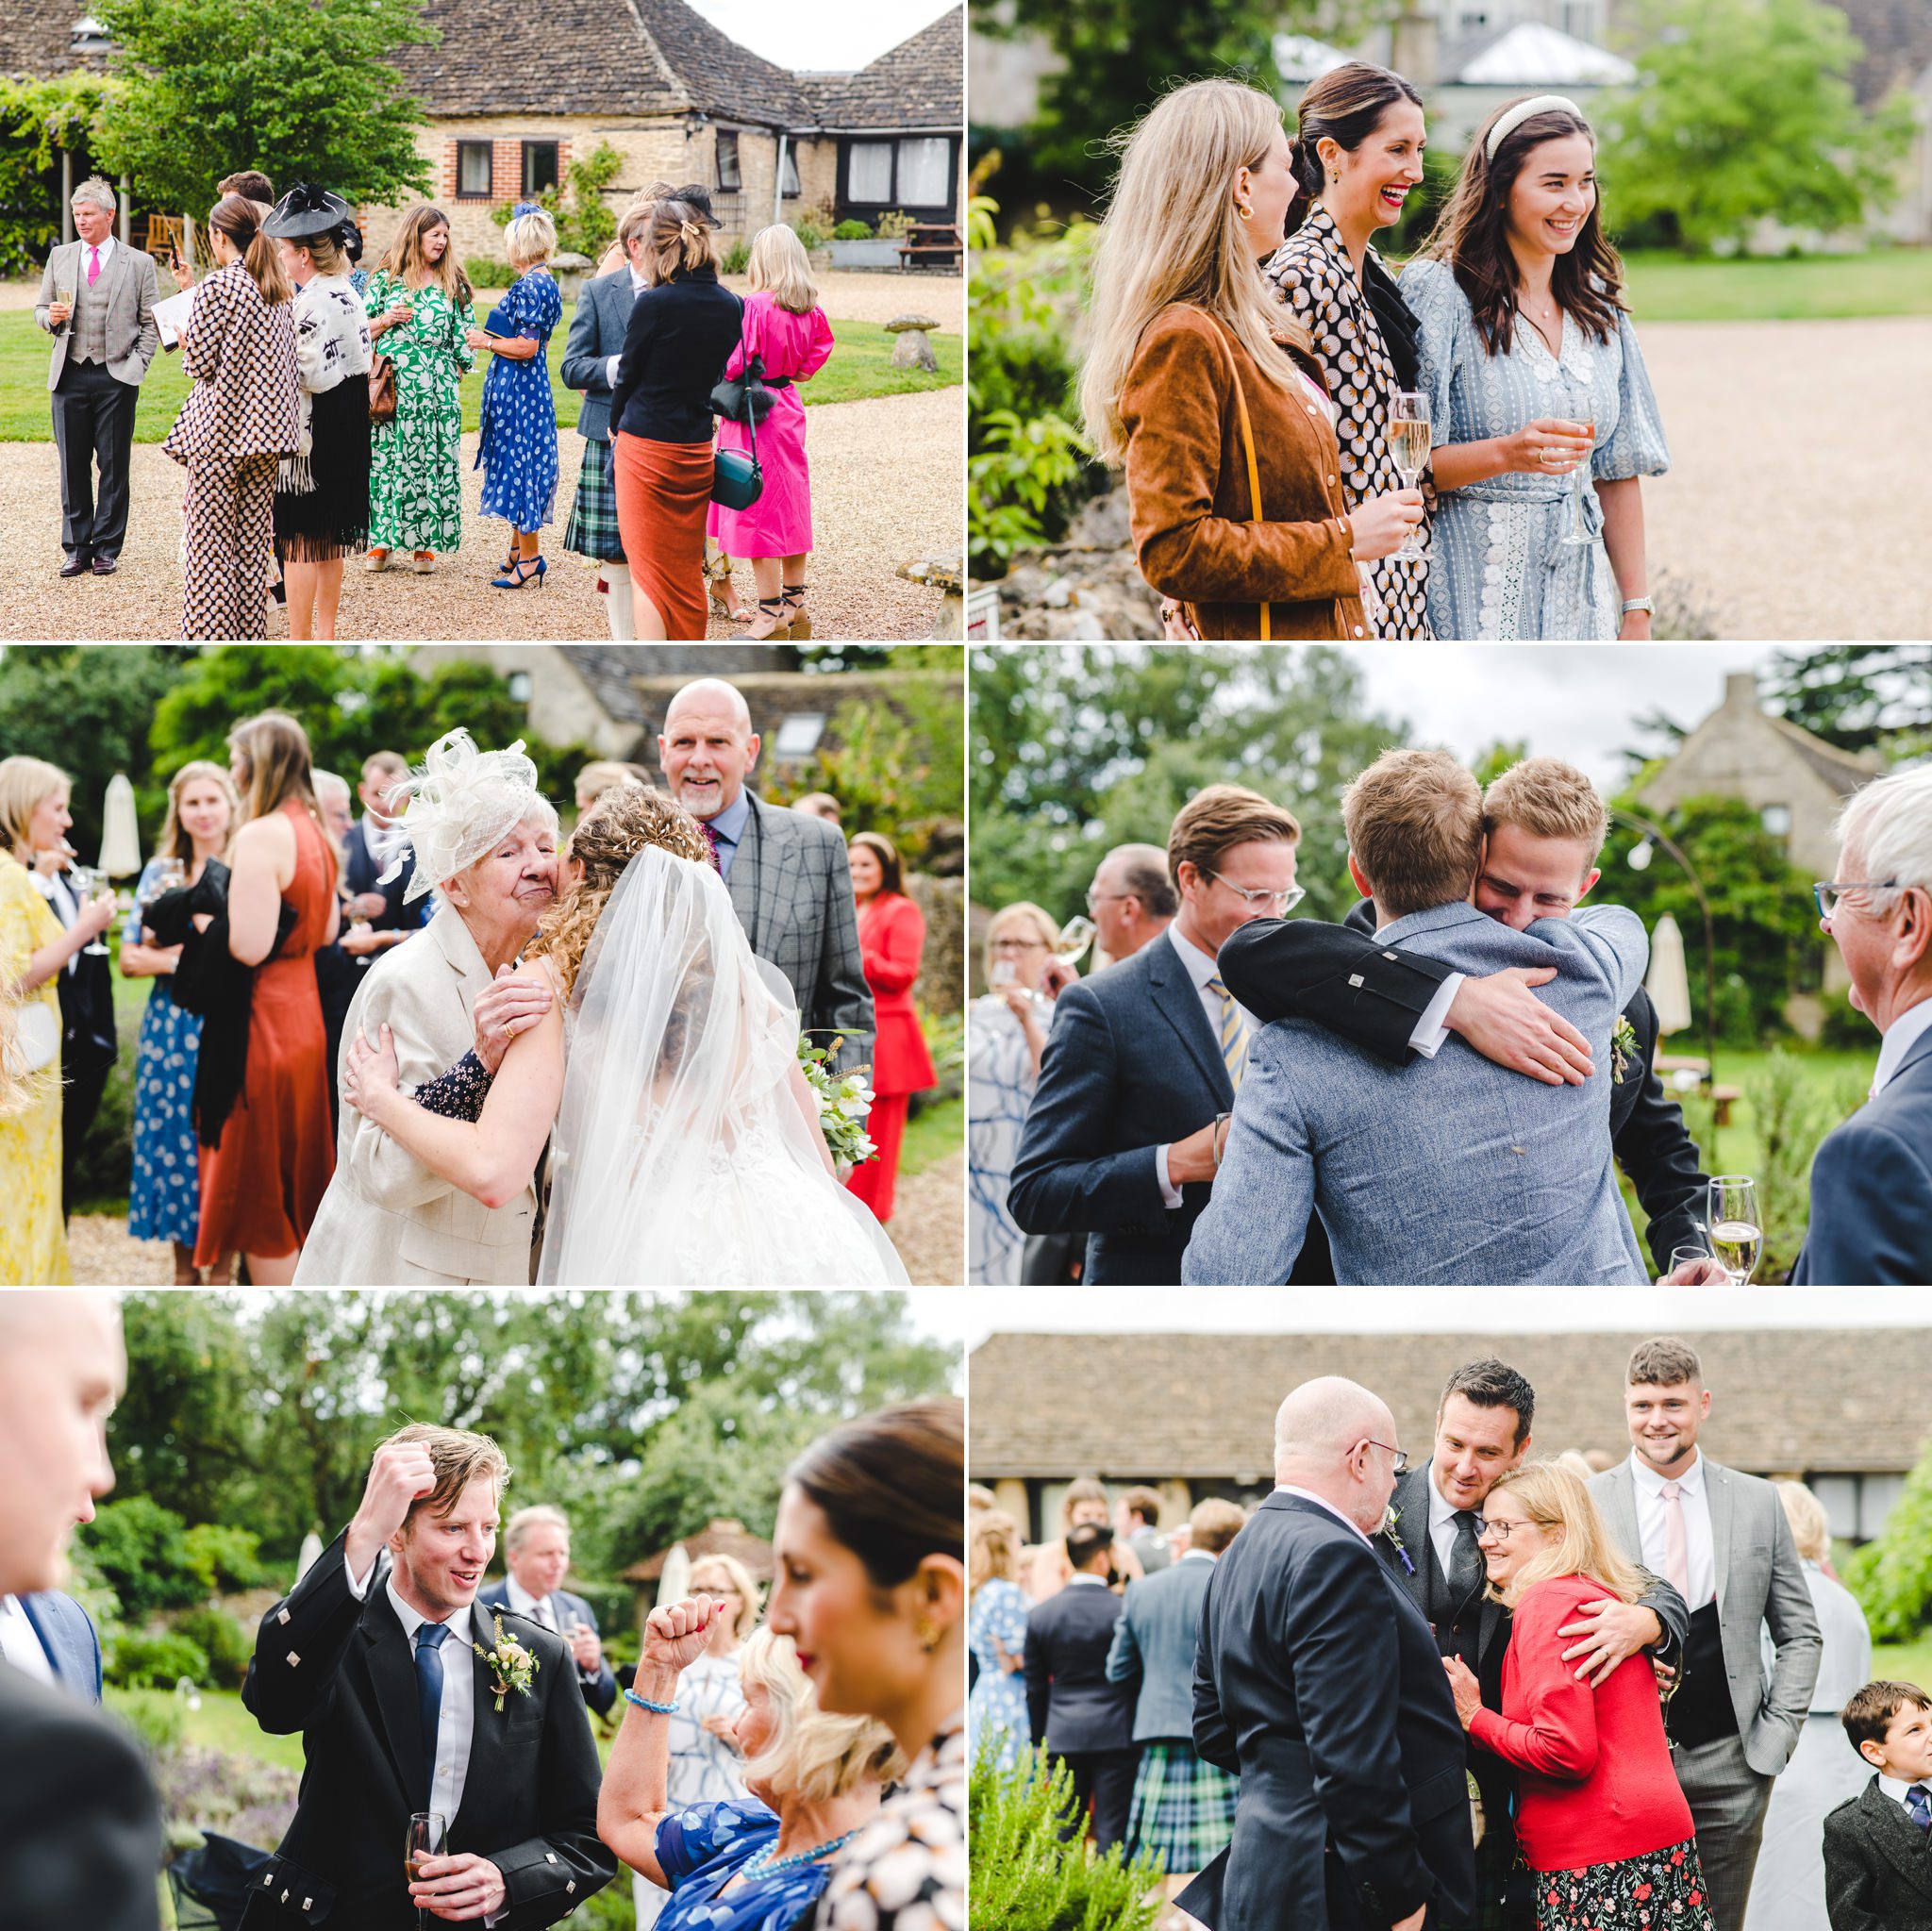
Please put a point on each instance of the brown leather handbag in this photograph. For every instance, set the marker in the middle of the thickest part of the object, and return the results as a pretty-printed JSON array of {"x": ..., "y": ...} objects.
[{"x": 382, "y": 390}]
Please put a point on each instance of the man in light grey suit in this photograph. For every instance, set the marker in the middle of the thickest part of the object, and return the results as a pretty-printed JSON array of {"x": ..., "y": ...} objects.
[
  {"x": 105, "y": 336},
  {"x": 1722, "y": 1540},
  {"x": 1452, "y": 1171},
  {"x": 789, "y": 882}
]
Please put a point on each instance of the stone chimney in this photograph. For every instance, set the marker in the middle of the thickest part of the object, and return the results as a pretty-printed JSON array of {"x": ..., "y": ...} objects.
[
  {"x": 1740, "y": 692},
  {"x": 1414, "y": 47}
]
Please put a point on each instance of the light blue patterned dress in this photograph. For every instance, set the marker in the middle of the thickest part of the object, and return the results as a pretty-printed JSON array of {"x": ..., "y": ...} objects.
[
  {"x": 1000, "y": 1081},
  {"x": 517, "y": 449},
  {"x": 700, "y": 1850},
  {"x": 1501, "y": 568},
  {"x": 998, "y": 1704},
  {"x": 164, "y": 1196}
]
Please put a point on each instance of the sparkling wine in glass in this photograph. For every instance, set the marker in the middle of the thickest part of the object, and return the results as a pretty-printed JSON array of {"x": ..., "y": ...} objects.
[
  {"x": 1736, "y": 1227},
  {"x": 428, "y": 1838},
  {"x": 88, "y": 885},
  {"x": 1077, "y": 934},
  {"x": 1408, "y": 444},
  {"x": 1583, "y": 413}
]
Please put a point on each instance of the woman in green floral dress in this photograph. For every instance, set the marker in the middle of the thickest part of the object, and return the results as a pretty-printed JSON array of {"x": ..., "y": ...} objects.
[{"x": 420, "y": 309}]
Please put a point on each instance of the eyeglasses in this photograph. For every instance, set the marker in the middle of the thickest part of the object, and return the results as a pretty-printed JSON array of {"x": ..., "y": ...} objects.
[
  {"x": 1400, "y": 1455},
  {"x": 1496, "y": 1531},
  {"x": 1283, "y": 902},
  {"x": 1829, "y": 893},
  {"x": 1018, "y": 945},
  {"x": 1096, "y": 899}
]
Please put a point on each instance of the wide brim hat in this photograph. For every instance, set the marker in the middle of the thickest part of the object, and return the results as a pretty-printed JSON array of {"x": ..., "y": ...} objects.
[{"x": 306, "y": 212}]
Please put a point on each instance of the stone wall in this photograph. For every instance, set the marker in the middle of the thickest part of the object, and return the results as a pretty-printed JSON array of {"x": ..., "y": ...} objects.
[
  {"x": 1086, "y": 586},
  {"x": 941, "y": 983}
]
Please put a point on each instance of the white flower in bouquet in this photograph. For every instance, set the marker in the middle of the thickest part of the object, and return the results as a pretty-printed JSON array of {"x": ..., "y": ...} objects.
[{"x": 845, "y": 1101}]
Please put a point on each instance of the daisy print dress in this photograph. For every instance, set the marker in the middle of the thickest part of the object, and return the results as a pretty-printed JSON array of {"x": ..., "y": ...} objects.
[{"x": 517, "y": 450}]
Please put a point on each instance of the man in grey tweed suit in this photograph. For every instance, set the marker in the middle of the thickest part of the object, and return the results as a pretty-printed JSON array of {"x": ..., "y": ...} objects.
[
  {"x": 1721, "y": 1540},
  {"x": 786, "y": 873}
]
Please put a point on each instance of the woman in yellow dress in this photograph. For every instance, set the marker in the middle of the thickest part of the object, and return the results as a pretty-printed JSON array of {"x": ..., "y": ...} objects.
[{"x": 34, "y": 950}]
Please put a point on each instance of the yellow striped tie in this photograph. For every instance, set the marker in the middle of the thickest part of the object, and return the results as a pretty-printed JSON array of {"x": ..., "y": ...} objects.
[{"x": 1234, "y": 1035}]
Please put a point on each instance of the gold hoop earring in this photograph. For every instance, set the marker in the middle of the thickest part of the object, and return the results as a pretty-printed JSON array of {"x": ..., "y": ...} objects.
[{"x": 1246, "y": 209}]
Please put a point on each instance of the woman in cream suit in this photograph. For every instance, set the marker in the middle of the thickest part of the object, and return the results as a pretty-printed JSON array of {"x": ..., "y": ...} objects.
[{"x": 485, "y": 839}]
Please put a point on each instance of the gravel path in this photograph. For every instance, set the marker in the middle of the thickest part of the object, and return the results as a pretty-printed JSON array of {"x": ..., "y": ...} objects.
[
  {"x": 927, "y": 1229},
  {"x": 868, "y": 518},
  {"x": 1787, "y": 513}
]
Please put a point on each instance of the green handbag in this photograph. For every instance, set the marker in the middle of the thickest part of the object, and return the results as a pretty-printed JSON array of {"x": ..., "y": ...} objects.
[{"x": 737, "y": 481}]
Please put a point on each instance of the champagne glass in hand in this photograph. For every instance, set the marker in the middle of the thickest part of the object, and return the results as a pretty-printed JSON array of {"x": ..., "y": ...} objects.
[
  {"x": 1077, "y": 934},
  {"x": 1736, "y": 1227},
  {"x": 90, "y": 884},
  {"x": 1408, "y": 444},
  {"x": 1583, "y": 413},
  {"x": 428, "y": 1838}
]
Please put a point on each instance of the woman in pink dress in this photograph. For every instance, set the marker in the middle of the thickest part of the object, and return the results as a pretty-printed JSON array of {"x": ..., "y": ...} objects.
[{"x": 786, "y": 329}]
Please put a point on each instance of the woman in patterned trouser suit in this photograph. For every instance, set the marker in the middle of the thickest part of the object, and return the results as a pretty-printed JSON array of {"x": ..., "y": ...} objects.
[{"x": 243, "y": 415}]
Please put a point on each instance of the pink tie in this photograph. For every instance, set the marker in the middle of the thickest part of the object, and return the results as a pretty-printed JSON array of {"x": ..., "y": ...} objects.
[
  {"x": 1676, "y": 1552},
  {"x": 94, "y": 266}
]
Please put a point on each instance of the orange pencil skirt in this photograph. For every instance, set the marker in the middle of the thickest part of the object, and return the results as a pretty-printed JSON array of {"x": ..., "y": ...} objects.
[{"x": 663, "y": 492}]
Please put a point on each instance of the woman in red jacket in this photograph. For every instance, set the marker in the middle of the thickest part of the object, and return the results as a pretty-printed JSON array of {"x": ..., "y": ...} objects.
[
  {"x": 1602, "y": 1823},
  {"x": 892, "y": 937}
]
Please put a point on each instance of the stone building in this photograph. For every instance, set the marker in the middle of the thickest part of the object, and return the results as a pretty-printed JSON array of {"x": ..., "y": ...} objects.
[
  {"x": 1193, "y": 1414},
  {"x": 1896, "y": 36}
]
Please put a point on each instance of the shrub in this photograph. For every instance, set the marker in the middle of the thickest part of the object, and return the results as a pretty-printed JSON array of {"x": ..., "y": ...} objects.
[
  {"x": 852, "y": 231},
  {"x": 737, "y": 257},
  {"x": 808, "y": 232},
  {"x": 486, "y": 272},
  {"x": 1844, "y": 1028},
  {"x": 1891, "y": 1576},
  {"x": 225, "y": 1558},
  {"x": 241, "y": 1797},
  {"x": 140, "y": 1552},
  {"x": 894, "y": 227},
  {"x": 613, "y": 1604},
  {"x": 1025, "y": 1876},
  {"x": 154, "y": 1716},
  {"x": 222, "y": 1640},
  {"x": 157, "y": 1662}
]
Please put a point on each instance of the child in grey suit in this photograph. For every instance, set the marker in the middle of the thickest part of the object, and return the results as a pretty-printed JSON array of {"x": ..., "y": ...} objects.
[{"x": 1877, "y": 1856}]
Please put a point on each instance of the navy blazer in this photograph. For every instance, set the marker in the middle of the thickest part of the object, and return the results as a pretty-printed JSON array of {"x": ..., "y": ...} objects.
[
  {"x": 596, "y": 334},
  {"x": 1317, "y": 1681},
  {"x": 1071, "y": 1706},
  {"x": 1872, "y": 1189},
  {"x": 599, "y": 1688},
  {"x": 67, "y": 1633},
  {"x": 361, "y": 869},
  {"x": 1154, "y": 1647}
]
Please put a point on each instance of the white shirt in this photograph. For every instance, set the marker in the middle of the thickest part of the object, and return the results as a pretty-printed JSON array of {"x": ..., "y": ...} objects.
[
  {"x": 1895, "y": 1790},
  {"x": 1442, "y": 1525},
  {"x": 1321, "y": 1501},
  {"x": 1197, "y": 1554},
  {"x": 1900, "y": 1037},
  {"x": 638, "y": 285},
  {"x": 107, "y": 255},
  {"x": 1430, "y": 1029},
  {"x": 1099, "y": 1582},
  {"x": 66, "y": 903},
  {"x": 22, "y": 1642},
  {"x": 1700, "y": 1552},
  {"x": 538, "y": 1609}
]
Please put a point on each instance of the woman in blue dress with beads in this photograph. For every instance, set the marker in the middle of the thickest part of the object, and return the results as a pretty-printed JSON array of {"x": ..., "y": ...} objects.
[
  {"x": 517, "y": 449},
  {"x": 164, "y": 1196},
  {"x": 753, "y": 1863}
]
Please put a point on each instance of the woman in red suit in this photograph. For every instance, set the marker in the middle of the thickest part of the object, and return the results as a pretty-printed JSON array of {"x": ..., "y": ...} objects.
[
  {"x": 263, "y": 1184},
  {"x": 892, "y": 937},
  {"x": 1603, "y": 1827}
]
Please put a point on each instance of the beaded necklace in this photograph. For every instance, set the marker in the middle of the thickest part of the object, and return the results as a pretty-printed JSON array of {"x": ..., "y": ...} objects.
[{"x": 765, "y": 1863}]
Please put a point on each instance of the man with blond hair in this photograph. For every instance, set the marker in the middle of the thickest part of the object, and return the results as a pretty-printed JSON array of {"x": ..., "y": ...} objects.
[
  {"x": 1543, "y": 827},
  {"x": 410, "y": 1700},
  {"x": 1452, "y": 1171},
  {"x": 1129, "y": 1122}
]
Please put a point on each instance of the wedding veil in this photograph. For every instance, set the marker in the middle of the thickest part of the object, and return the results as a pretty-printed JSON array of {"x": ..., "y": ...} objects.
[{"x": 681, "y": 1157}]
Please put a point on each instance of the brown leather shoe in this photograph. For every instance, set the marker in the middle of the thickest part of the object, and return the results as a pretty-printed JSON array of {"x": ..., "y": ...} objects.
[
  {"x": 106, "y": 566},
  {"x": 75, "y": 563}
]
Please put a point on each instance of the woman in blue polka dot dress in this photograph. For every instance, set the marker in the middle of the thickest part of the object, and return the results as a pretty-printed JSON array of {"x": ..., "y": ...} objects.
[
  {"x": 164, "y": 1198},
  {"x": 517, "y": 451}
]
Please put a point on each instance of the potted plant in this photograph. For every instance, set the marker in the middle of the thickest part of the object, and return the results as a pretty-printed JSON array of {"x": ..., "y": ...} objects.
[{"x": 855, "y": 246}]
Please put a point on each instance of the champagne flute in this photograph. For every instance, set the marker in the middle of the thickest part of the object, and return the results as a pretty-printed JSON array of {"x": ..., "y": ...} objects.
[
  {"x": 1408, "y": 444},
  {"x": 1077, "y": 934},
  {"x": 1583, "y": 413},
  {"x": 88, "y": 883},
  {"x": 428, "y": 1838},
  {"x": 1736, "y": 1227}
]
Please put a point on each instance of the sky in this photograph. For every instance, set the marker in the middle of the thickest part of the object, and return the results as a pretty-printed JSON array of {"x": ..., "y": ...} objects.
[
  {"x": 1575, "y": 702},
  {"x": 812, "y": 39},
  {"x": 1428, "y": 1310}
]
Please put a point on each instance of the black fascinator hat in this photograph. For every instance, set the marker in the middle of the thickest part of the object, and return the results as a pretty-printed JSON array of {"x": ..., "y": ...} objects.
[{"x": 306, "y": 213}]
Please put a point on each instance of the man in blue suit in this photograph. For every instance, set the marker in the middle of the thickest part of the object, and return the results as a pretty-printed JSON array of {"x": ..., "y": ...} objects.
[
  {"x": 536, "y": 1551},
  {"x": 1456, "y": 1171},
  {"x": 1872, "y": 1180},
  {"x": 49, "y": 1635},
  {"x": 1130, "y": 1122}
]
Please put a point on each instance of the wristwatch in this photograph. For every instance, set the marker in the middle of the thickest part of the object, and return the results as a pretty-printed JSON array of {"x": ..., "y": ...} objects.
[{"x": 1647, "y": 605}]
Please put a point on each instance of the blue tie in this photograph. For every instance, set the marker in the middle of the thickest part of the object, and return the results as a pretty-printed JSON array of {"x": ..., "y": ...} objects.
[
  {"x": 1919, "y": 1806},
  {"x": 429, "y": 1639}
]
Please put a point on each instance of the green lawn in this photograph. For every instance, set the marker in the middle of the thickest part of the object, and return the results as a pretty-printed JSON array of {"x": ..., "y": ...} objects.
[
  {"x": 937, "y": 1132},
  {"x": 220, "y": 1724},
  {"x": 1890, "y": 281},
  {"x": 1903, "y": 1662},
  {"x": 857, "y": 371}
]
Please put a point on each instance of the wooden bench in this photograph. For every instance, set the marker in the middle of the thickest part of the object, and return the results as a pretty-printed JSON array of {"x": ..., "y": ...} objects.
[{"x": 929, "y": 240}]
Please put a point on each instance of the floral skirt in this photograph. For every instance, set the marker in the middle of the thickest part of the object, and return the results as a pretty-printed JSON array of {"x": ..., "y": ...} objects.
[{"x": 1663, "y": 1889}]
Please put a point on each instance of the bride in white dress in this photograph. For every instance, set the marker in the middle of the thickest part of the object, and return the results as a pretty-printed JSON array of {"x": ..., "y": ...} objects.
[{"x": 685, "y": 1148}]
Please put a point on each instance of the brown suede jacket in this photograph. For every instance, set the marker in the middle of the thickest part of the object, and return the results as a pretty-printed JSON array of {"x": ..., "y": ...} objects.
[{"x": 1195, "y": 531}]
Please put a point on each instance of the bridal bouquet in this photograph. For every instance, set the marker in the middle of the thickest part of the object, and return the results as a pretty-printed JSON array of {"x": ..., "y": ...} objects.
[{"x": 845, "y": 1101}]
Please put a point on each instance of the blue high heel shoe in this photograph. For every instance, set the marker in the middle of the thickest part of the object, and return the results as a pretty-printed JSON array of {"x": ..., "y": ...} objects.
[{"x": 517, "y": 574}]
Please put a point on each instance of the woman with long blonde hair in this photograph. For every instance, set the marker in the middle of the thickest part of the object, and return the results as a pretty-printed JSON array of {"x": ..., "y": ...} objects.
[
  {"x": 421, "y": 310},
  {"x": 1201, "y": 386},
  {"x": 164, "y": 1196},
  {"x": 787, "y": 336},
  {"x": 1599, "y": 1812}
]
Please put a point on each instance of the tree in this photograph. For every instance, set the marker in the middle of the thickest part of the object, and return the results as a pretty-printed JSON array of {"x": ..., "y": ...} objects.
[
  {"x": 1743, "y": 111},
  {"x": 1858, "y": 696},
  {"x": 36, "y": 118},
  {"x": 300, "y": 89}
]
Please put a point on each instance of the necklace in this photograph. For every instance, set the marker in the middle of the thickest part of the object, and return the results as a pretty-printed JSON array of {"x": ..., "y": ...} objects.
[{"x": 765, "y": 1862}]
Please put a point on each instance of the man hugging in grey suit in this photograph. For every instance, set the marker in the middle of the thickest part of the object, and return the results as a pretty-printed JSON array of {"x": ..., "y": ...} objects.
[{"x": 1454, "y": 1171}]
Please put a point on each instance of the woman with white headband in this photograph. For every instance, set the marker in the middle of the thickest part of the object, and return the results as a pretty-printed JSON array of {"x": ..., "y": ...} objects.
[
  {"x": 1529, "y": 357},
  {"x": 485, "y": 839}
]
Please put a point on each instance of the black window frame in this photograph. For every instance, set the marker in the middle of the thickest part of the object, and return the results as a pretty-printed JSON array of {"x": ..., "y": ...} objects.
[
  {"x": 489, "y": 149},
  {"x": 530, "y": 191},
  {"x": 895, "y": 141},
  {"x": 734, "y": 185}
]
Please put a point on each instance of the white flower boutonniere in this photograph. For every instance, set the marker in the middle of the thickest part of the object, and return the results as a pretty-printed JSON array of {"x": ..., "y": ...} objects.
[
  {"x": 1623, "y": 1049},
  {"x": 514, "y": 1665},
  {"x": 1387, "y": 1533}
]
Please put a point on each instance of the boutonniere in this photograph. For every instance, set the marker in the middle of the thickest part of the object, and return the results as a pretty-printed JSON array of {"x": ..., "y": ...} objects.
[
  {"x": 1623, "y": 1049},
  {"x": 514, "y": 1665},
  {"x": 1387, "y": 1533}
]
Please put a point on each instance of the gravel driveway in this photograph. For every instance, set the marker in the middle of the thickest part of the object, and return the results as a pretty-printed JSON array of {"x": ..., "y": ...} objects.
[{"x": 868, "y": 518}]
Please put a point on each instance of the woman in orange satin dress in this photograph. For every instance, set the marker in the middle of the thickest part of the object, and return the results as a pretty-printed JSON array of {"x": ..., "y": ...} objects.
[
  {"x": 263, "y": 1184},
  {"x": 892, "y": 937}
]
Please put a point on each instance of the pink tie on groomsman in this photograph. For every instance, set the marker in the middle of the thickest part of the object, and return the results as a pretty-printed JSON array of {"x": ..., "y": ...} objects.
[
  {"x": 93, "y": 264},
  {"x": 1676, "y": 1550}
]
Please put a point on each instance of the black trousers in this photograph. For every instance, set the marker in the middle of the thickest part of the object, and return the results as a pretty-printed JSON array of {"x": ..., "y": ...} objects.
[
  {"x": 1105, "y": 1779},
  {"x": 93, "y": 425},
  {"x": 80, "y": 1100}
]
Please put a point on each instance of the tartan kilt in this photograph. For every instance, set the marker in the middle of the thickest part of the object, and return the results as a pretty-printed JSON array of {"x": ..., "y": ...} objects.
[
  {"x": 592, "y": 527},
  {"x": 1183, "y": 1807}
]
